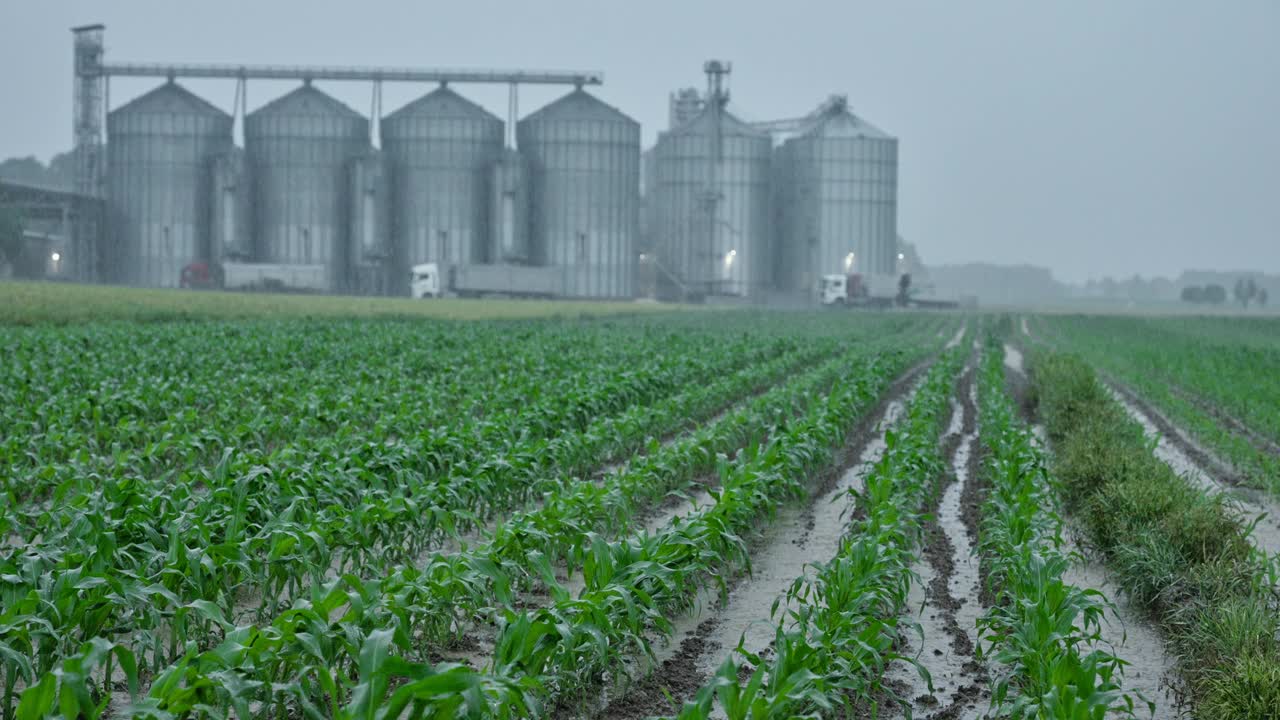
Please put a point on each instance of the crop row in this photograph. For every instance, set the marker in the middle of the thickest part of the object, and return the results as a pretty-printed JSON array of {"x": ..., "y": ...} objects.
[
  {"x": 1183, "y": 556},
  {"x": 1042, "y": 635},
  {"x": 843, "y": 624},
  {"x": 306, "y": 660},
  {"x": 52, "y": 605}
]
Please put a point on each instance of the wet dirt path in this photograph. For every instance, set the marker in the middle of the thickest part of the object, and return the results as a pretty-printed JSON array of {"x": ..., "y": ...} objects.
[{"x": 947, "y": 601}]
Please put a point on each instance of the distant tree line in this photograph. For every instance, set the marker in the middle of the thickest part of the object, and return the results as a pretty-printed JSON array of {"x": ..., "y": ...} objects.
[
  {"x": 59, "y": 173},
  {"x": 1246, "y": 291}
]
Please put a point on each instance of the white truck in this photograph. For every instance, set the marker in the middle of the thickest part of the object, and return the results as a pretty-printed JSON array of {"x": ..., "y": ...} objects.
[
  {"x": 875, "y": 291},
  {"x": 430, "y": 280},
  {"x": 856, "y": 289}
]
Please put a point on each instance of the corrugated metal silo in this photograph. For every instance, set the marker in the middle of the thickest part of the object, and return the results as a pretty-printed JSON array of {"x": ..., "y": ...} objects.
[
  {"x": 300, "y": 147},
  {"x": 440, "y": 151},
  {"x": 160, "y": 148},
  {"x": 841, "y": 215},
  {"x": 584, "y": 173},
  {"x": 713, "y": 218},
  {"x": 509, "y": 222}
]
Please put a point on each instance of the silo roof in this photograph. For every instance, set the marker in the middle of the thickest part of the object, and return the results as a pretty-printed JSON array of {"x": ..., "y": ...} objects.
[
  {"x": 845, "y": 125},
  {"x": 443, "y": 102},
  {"x": 729, "y": 125},
  {"x": 580, "y": 105},
  {"x": 306, "y": 100},
  {"x": 174, "y": 99}
]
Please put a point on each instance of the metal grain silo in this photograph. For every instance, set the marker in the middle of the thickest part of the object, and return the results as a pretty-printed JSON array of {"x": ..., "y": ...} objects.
[
  {"x": 584, "y": 174},
  {"x": 300, "y": 147},
  {"x": 440, "y": 152},
  {"x": 712, "y": 205},
  {"x": 841, "y": 213},
  {"x": 160, "y": 148}
]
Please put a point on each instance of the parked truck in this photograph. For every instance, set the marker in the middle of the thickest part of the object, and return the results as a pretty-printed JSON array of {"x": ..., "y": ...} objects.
[
  {"x": 430, "y": 280},
  {"x": 266, "y": 277},
  {"x": 876, "y": 291}
]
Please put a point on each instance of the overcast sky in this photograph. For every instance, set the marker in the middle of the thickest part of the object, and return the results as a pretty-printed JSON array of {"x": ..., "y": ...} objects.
[{"x": 1095, "y": 137}]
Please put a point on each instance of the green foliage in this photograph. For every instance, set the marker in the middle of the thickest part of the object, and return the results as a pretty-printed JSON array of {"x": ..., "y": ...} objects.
[
  {"x": 1183, "y": 555},
  {"x": 833, "y": 646},
  {"x": 1197, "y": 371},
  {"x": 1041, "y": 634},
  {"x": 252, "y": 512}
]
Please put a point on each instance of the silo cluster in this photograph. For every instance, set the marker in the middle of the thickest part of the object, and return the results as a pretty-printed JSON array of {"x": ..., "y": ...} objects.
[
  {"x": 730, "y": 208},
  {"x": 309, "y": 189},
  {"x": 733, "y": 210}
]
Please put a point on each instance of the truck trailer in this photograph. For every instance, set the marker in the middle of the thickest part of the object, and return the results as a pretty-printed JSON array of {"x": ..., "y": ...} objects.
[
  {"x": 430, "y": 280},
  {"x": 268, "y": 277}
]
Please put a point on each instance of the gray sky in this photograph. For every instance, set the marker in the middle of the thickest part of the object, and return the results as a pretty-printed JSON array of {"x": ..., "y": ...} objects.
[{"x": 1094, "y": 137}]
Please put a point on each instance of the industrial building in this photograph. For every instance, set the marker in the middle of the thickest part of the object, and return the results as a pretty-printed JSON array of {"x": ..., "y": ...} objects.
[{"x": 547, "y": 204}]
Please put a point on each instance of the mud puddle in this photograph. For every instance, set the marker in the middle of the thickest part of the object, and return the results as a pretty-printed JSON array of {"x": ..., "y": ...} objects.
[
  {"x": 1013, "y": 359},
  {"x": 947, "y": 600},
  {"x": 1176, "y": 449}
]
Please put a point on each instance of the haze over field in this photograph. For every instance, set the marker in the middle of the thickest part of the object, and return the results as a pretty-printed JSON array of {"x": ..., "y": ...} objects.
[{"x": 1094, "y": 138}]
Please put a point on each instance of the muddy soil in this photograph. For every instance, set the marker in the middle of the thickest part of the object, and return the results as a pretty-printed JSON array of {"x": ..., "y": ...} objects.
[
  {"x": 709, "y": 634},
  {"x": 947, "y": 601}
]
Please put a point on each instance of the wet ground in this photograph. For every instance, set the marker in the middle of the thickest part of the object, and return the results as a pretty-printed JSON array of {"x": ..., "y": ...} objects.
[
  {"x": 798, "y": 535},
  {"x": 1126, "y": 632},
  {"x": 947, "y": 601},
  {"x": 1199, "y": 467}
]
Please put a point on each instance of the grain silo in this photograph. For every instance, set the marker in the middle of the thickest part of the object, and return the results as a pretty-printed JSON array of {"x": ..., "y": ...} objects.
[
  {"x": 160, "y": 151},
  {"x": 300, "y": 148},
  {"x": 840, "y": 176},
  {"x": 711, "y": 205},
  {"x": 584, "y": 176},
  {"x": 440, "y": 151}
]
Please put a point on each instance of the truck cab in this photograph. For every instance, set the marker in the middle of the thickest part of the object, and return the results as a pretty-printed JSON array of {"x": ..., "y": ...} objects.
[
  {"x": 424, "y": 281},
  {"x": 841, "y": 289}
]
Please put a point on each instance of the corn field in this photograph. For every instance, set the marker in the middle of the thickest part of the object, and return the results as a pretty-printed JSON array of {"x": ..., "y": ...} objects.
[{"x": 732, "y": 515}]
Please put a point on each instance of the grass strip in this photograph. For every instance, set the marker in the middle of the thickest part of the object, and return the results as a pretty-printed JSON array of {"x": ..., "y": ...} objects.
[{"x": 1182, "y": 555}]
